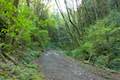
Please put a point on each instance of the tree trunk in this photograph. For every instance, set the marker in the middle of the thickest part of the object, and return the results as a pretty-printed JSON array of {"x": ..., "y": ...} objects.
[
  {"x": 28, "y": 3},
  {"x": 16, "y": 3}
]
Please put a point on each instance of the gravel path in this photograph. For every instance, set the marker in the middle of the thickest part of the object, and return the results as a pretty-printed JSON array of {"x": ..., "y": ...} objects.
[{"x": 57, "y": 67}]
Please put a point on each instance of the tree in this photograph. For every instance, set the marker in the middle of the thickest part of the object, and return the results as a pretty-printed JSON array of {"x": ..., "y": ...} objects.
[
  {"x": 28, "y": 3},
  {"x": 16, "y": 3}
]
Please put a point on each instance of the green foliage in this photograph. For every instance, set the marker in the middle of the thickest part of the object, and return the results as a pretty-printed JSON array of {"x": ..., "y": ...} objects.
[
  {"x": 44, "y": 37},
  {"x": 115, "y": 64},
  {"x": 102, "y": 61},
  {"x": 78, "y": 54},
  {"x": 28, "y": 73},
  {"x": 101, "y": 44},
  {"x": 92, "y": 34},
  {"x": 20, "y": 72},
  {"x": 30, "y": 55},
  {"x": 24, "y": 33},
  {"x": 21, "y": 28}
]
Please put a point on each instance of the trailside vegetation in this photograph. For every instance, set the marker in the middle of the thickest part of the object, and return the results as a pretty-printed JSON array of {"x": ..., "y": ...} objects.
[
  {"x": 92, "y": 31},
  {"x": 24, "y": 34}
]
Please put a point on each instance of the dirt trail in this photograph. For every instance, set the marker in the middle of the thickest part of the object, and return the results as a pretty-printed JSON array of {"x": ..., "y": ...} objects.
[{"x": 57, "y": 67}]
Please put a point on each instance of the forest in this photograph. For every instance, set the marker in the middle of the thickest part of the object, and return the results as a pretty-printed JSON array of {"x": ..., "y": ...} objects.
[{"x": 85, "y": 30}]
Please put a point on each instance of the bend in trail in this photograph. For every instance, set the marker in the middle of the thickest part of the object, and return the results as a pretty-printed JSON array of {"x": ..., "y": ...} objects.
[{"x": 57, "y": 67}]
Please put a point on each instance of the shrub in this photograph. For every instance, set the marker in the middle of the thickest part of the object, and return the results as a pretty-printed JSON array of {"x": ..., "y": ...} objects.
[
  {"x": 102, "y": 61},
  {"x": 20, "y": 72},
  {"x": 115, "y": 64}
]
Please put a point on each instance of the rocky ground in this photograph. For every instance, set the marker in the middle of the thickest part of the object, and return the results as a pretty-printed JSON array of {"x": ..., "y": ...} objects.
[{"x": 56, "y": 66}]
